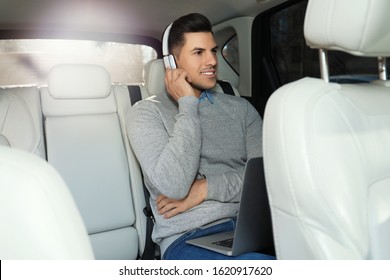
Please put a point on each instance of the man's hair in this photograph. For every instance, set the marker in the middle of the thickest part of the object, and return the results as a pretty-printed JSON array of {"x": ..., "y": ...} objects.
[{"x": 194, "y": 22}]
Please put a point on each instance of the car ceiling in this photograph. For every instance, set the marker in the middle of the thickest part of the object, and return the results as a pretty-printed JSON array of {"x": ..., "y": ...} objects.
[{"x": 129, "y": 17}]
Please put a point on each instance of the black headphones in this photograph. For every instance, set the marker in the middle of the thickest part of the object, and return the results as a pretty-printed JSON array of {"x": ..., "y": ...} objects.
[{"x": 169, "y": 59}]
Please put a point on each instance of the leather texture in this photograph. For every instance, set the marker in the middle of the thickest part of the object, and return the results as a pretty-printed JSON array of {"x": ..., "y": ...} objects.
[
  {"x": 79, "y": 81},
  {"x": 326, "y": 165},
  {"x": 357, "y": 27},
  {"x": 21, "y": 119},
  {"x": 85, "y": 143},
  {"x": 38, "y": 216}
]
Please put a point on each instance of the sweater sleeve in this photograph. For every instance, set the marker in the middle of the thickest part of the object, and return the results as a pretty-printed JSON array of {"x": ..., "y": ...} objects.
[
  {"x": 170, "y": 162},
  {"x": 227, "y": 186}
]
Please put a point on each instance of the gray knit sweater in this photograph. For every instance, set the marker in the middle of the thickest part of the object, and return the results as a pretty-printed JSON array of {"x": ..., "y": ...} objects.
[{"x": 175, "y": 143}]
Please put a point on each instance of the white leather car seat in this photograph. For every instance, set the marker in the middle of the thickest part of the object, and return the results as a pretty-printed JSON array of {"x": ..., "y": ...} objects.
[
  {"x": 85, "y": 143},
  {"x": 21, "y": 119},
  {"x": 123, "y": 101},
  {"x": 38, "y": 216},
  {"x": 325, "y": 145}
]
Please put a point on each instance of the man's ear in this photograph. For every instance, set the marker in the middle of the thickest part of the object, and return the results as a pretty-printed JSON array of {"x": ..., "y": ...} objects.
[{"x": 188, "y": 78}]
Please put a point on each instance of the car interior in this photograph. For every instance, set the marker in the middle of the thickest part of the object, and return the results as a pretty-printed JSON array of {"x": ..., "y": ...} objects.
[{"x": 70, "y": 184}]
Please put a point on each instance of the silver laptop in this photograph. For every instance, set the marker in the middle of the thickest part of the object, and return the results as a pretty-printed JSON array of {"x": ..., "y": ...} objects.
[{"x": 253, "y": 231}]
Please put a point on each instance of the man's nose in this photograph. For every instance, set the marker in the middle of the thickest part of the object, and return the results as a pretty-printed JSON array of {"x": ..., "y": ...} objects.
[{"x": 211, "y": 59}]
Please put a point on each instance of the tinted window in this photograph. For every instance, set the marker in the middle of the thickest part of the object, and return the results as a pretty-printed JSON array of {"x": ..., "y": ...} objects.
[
  {"x": 294, "y": 60},
  {"x": 230, "y": 53}
]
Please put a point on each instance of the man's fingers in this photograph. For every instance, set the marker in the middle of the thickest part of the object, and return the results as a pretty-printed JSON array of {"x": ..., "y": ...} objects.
[
  {"x": 160, "y": 198},
  {"x": 171, "y": 213},
  {"x": 165, "y": 204},
  {"x": 162, "y": 202},
  {"x": 166, "y": 208},
  {"x": 169, "y": 207}
]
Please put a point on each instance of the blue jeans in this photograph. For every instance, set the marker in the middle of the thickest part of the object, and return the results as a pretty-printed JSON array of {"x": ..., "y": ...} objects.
[{"x": 180, "y": 250}]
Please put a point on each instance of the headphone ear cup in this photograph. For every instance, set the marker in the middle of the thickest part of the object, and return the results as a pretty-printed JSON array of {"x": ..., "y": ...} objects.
[
  {"x": 172, "y": 61},
  {"x": 169, "y": 61}
]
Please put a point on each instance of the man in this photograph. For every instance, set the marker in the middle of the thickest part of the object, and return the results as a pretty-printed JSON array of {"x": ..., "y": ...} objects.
[{"x": 193, "y": 144}]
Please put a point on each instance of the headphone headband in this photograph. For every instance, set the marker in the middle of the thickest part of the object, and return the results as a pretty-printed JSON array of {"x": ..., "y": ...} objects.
[
  {"x": 169, "y": 59},
  {"x": 165, "y": 47}
]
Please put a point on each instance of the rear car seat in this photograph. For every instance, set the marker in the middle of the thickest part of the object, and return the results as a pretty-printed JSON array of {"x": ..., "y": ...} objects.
[
  {"x": 21, "y": 119},
  {"x": 85, "y": 143}
]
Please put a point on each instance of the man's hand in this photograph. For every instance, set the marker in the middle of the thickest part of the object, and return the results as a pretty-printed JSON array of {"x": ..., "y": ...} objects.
[
  {"x": 177, "y": 82},
  {"x": 171, "y": 207}
]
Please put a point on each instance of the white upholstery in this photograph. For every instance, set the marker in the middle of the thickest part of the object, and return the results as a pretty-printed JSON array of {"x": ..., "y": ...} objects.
[
  {"x": 136, "y": 180},
  {"x": 357, "y": 27},
  {"x": 38, "y": 216},
  {"x": 154, "y": 76},
  {"x": 325, "y": 156},
  {"x": 87, "y": 82},
  {"x": 326, "y": 169},
  {"x": 85, "y": 143},
  {"x": 21, "y": 119},
  {"x": 78, "y": 89}
]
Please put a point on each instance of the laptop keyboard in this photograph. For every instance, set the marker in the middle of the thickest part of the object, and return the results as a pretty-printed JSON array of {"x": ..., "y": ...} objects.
[{"x": 225, "y": 243}]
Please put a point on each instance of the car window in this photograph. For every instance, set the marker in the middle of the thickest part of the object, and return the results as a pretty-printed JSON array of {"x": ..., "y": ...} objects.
[
  {"x": 280, "y": 54},
  {"x": 29, "y": 61},
  {"x": 293, "y": 59},
  {"x": 230, "y": 53}
]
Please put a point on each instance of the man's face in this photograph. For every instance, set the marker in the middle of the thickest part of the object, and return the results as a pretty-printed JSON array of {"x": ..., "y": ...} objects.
[{"x": 198, "y": 57}]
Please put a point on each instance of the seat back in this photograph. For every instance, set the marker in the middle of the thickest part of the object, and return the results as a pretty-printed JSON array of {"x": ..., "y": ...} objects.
[
  {"x": 324, "y": 145},
  {"x": 85, "y": 143},
  {"x": 38, "y": 216},
  {"x": 21, "y": 119}
]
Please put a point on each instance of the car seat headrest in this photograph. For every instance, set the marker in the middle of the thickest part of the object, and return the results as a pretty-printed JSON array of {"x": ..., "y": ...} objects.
[
  {"x": 357, "y": 28},
  {"x": 154, "y": 76},
  {"x": 79, "y": 81}
]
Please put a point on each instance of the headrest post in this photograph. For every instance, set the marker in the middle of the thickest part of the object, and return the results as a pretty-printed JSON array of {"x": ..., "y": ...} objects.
[
  {"x": 324, "y": 67},
  {"x": 382, "y": 68}
]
